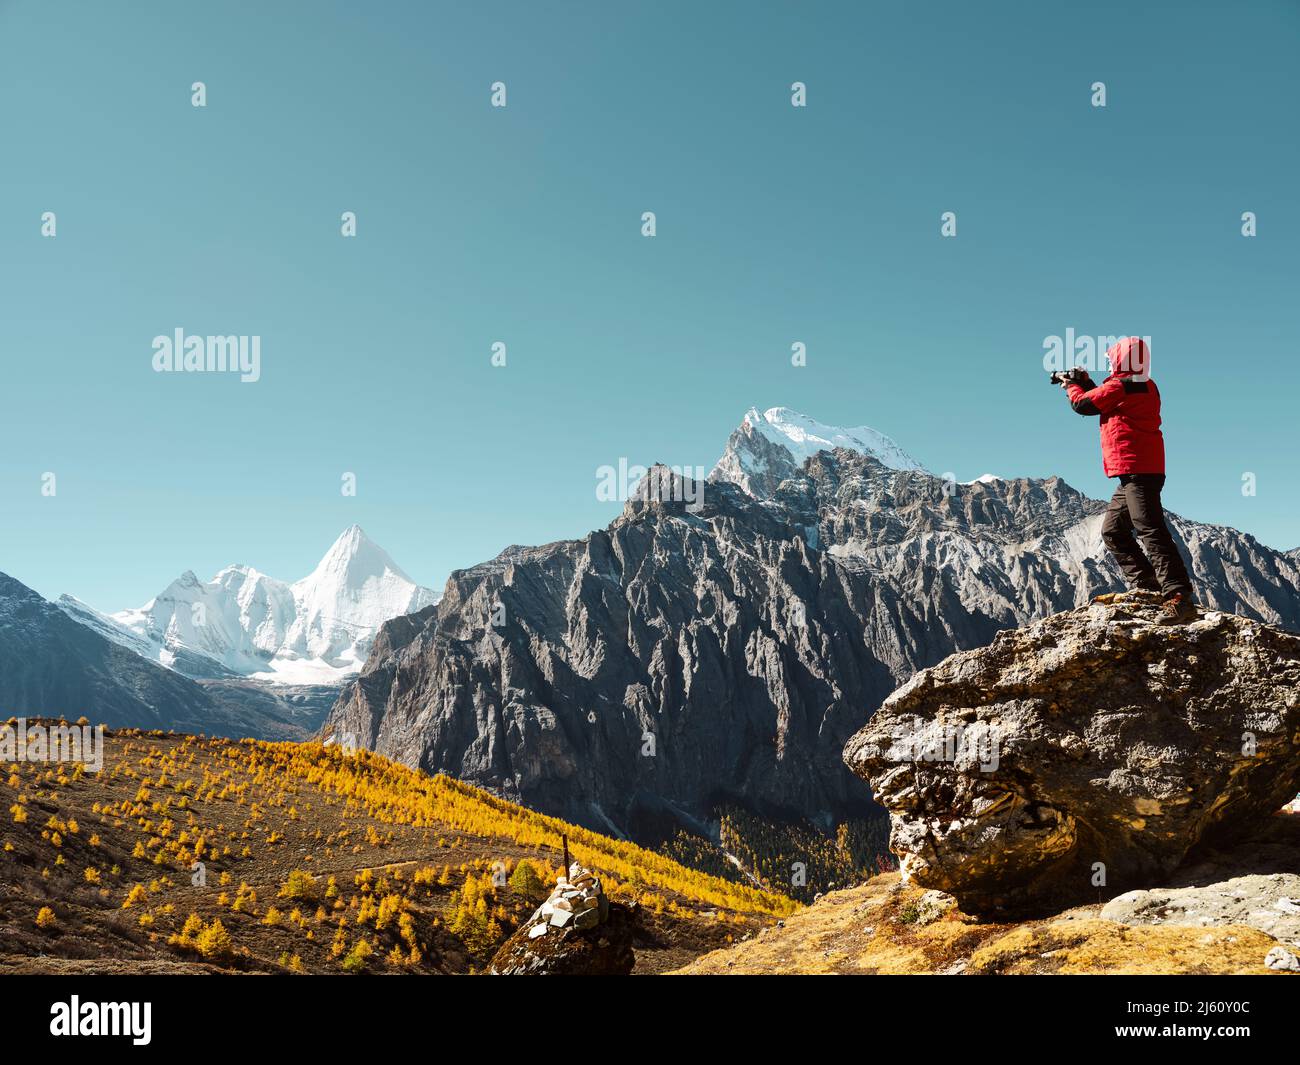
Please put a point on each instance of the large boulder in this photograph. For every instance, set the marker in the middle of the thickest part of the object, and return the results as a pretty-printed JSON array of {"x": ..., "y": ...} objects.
[{"x": 1085, "y": 755}]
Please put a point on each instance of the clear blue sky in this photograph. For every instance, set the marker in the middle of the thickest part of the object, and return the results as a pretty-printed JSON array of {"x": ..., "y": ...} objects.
[{"x": 476, "y": 224}]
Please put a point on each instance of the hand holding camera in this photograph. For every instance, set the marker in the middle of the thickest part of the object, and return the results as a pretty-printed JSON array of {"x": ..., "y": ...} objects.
[{"x": 1076, "y": 376}]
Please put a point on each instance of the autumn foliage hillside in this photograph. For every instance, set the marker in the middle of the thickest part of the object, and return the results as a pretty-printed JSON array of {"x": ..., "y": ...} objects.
[{"x": 210, "y": 854}]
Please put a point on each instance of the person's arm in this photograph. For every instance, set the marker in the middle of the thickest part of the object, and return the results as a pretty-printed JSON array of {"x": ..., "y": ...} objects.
[{"x": 1102, "y": 399}]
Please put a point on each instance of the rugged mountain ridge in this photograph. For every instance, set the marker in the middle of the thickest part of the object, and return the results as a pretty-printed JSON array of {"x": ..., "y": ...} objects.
[{"x": 680, "y": 657}]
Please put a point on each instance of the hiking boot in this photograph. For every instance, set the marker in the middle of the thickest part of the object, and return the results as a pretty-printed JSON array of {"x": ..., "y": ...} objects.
[{"x": 1178, "y": 609}]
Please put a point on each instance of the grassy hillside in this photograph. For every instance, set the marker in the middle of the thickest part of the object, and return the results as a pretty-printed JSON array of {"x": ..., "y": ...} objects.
[{"x": 198, "y": 852}]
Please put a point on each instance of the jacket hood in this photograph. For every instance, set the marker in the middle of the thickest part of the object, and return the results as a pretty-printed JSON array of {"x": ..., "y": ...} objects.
[{"x": 1132, "y": 355}]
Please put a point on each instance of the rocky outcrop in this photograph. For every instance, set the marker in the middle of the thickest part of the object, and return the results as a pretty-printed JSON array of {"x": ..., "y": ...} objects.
[
  {"x": 577, "y": 931},
  {"x": 1085, "y": 755},
  {"x": 683, "y": 657}
]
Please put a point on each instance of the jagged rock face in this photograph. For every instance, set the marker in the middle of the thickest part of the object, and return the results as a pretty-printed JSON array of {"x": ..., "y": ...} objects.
[
  {"x": 663, "y": 660},
  {"x": 745, "y": 641},
  {"x": 1094, "y": 740}
]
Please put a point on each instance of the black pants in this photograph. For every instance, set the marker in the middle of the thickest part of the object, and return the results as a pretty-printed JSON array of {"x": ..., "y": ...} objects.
[{"x": 1135, "y": 507}]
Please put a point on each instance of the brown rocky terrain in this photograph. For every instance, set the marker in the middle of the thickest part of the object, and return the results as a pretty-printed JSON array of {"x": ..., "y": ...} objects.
[{"x": 886, "y": 927}]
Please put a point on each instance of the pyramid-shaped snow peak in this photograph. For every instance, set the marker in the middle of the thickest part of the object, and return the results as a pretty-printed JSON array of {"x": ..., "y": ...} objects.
[{"x": 343, "y": 601}]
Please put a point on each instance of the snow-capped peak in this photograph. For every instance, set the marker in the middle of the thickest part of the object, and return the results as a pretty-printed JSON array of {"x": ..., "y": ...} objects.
[
  {"x": 353, "y": 559},
  {"x": 770, "y": 446},
  {"x": 803, "y": 437},
  {"x": 354, "y": 589},
  {"x": 317, "y": 630}
]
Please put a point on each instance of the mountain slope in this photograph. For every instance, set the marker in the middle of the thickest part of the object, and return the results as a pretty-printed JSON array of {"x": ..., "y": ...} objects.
[
  {"x": 305, "y": 852},
  {"x": 52, "y": 665},
  {"x": 244, "y": 623},
  {"x": 182, "y": 659},
  {"x": 342, "y": 603},
  {"x": 679, "y": 659}
]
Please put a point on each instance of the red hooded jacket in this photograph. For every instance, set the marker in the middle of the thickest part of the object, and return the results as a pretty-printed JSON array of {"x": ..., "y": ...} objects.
[{"x": 1129, "y": 404}]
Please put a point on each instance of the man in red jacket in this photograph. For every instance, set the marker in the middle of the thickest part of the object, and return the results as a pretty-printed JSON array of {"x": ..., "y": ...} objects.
[{"x": 1133, "y": 450}]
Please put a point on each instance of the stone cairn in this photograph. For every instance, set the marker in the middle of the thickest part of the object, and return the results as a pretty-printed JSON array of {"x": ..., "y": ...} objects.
[{"x": 578, "y": 902}]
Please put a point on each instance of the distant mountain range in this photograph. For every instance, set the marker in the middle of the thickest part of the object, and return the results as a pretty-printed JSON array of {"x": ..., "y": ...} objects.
[
  {"x": 681, "y": 658},
  {"x": 242, "y": 623},
  {"x": 52, "y": 665},
  {"x": 641, "y": 676},
  {"x": 241, "y": 655}
]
